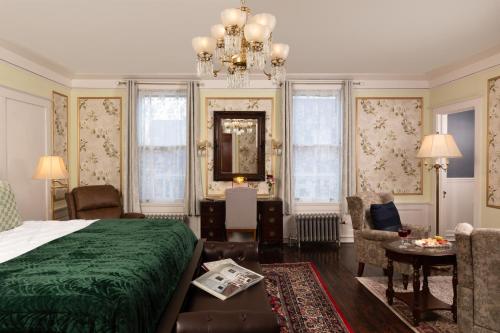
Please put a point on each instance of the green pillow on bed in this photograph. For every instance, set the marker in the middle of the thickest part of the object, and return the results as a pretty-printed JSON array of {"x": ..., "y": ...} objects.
[{"x": 9, "y": 216}]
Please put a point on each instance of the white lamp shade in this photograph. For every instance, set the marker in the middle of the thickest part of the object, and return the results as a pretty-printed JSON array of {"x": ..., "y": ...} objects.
[
  {"x": 233, "y": 16},
  {"x": 439, "y": 146},
  {"x": 218, "y": 31},
  {"x": 265, "y": 19},
  {"x": 280, "y": 51},
  {"x": 50, "y": 167},
  {"x": 204, "y": 44},
  {"x": 256, "y": 33}
]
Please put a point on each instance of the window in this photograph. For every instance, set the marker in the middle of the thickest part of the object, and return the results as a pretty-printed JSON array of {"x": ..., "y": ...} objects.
[
  {"x": 316, "y": 140},
  {"x": 161, "y": 132}
]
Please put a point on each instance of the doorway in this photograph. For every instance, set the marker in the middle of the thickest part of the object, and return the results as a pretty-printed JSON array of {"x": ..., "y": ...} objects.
[{"x": 459, "y": 195}]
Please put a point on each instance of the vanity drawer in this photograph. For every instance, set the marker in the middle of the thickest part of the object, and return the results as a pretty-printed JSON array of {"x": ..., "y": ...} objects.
[
  {"x": 272, "y": 234},
  {"x": 214, "y": 234},
  {"x": 213, "y": 208}
]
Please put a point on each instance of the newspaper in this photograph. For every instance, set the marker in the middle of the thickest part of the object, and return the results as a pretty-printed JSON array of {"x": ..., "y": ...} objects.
[
  {"x": 226, "y": 280},
  {"x": 208, "y": 266}
]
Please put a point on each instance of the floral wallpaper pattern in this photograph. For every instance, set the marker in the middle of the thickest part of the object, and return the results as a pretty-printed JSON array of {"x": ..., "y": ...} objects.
[
  {"x": 60, "y": 126},
  {"x": 99, "y": 122},
  {"x": 493, "y": 177},
  {"x": 388, "y": 136},
  {"x": 216, "y": 188},
  {"x": 247, "y": 152}
]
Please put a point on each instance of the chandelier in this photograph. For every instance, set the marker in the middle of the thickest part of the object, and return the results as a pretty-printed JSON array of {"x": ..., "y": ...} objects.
[
  {"x": 238, "y": 126},
  {"x": 241, "y": 44}
]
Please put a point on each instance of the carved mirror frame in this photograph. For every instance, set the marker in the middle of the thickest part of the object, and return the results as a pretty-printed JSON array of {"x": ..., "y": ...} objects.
[{"x": 261, "y": 144}]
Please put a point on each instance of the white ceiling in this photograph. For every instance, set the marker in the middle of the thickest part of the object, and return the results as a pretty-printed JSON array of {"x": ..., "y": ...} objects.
[{"x": 110, "y": 38}]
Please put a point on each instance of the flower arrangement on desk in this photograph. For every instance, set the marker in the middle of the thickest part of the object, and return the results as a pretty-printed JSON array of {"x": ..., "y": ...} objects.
[{"x": 270, "y": 183}]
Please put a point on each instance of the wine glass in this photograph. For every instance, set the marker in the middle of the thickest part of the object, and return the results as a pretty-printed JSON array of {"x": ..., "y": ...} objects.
[{"x": 403, "y": 233}]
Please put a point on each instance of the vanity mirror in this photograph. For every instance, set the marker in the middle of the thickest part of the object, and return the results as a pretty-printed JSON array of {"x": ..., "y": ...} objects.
[{"x": 239, "y": 147}]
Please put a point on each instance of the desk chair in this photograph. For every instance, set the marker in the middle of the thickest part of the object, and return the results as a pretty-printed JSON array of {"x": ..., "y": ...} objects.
[{"x": 241, "y": 210}]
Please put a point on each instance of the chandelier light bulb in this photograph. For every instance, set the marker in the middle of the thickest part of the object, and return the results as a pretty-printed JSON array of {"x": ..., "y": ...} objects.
[
  {"x": 265, "y": 19},
  {"x": 233, "y": 17},
  {"x": 255, "y": 32},
  {"x": 204, "y": 45},
  {"x": 280, "y": 51},
  {"x": 218, "y": 31}
]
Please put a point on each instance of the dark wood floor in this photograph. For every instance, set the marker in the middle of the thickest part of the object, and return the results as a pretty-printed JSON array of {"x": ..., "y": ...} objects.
[{"x": 363, "y": 311}]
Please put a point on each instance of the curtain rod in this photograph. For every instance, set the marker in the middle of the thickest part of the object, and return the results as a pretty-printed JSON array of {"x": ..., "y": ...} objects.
[
  {"x": 157, "y": 82},
  {"x": 356, "y": 83}
]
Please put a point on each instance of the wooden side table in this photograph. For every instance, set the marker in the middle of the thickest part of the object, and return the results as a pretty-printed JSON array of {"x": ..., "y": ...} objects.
[{"x": 420, "y": 300}]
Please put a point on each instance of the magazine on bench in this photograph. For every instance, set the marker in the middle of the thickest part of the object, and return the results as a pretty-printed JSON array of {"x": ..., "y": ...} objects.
[{"x": 226, "y": 279}]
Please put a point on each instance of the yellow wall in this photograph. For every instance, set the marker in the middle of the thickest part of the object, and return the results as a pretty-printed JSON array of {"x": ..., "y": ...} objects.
[
  {"x": 472, "y": 87},
  {"x": 424, "y": 93},
  {"x": 18, "y": 79},
  {"x": 15, "y": 78},
  {"x": 224, "y": 93}
]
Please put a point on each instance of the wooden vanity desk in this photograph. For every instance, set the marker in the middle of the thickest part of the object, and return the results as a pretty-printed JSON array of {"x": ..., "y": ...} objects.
[{"x": 269, "y": 220}]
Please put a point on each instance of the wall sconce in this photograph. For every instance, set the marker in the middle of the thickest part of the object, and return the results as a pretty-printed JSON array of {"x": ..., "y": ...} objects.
[
  {"x": 203, "y": 147},
  {"x": 277, "y": 147}
]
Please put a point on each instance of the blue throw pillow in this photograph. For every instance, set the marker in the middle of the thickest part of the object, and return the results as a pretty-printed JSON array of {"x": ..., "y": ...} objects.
[{"x": 385, "y": 217}]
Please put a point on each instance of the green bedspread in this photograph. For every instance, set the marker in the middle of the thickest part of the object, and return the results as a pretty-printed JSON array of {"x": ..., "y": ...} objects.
[{"x": 113, "y": 276}]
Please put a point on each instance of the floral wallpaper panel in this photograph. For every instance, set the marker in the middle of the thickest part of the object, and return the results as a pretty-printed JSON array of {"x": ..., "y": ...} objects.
[
  {"x": 99, "y": 121},
  {"x": 388, "y": 136},
  {"x": 216, "y": 188},
  {"x": 493, "y": 137},
  {"x": 60, "y": 126}
]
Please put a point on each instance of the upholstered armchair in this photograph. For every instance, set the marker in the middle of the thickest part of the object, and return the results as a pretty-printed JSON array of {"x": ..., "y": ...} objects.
[
  {"x": 478, "y": 261},
  {"x": 97, "y": 202},
  {"x": 367, "y": 241}
]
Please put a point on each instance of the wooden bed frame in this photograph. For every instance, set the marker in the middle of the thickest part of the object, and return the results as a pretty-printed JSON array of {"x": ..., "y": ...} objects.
[{"x": 177, "y": 302}]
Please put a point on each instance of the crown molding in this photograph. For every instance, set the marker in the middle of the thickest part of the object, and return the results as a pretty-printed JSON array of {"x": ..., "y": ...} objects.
[
  {"x": 435, "y": 78},
  {"x": 28, "y": 65},
  {"x": 473, "y": 65}
]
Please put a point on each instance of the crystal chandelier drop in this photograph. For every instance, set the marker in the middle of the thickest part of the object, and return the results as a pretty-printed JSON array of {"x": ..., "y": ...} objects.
[{"x": 242, "y": 43}]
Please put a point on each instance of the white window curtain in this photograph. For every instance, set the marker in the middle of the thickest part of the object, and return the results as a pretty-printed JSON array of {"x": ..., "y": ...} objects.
[
  {"x": 316, "y": 142},
  {"x": 162, "y": 143}
]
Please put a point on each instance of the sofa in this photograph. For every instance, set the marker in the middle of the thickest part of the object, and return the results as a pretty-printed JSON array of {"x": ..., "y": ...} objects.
[
  {"x": 478, "y": 261},
  {"x": 247, "y": 311}
]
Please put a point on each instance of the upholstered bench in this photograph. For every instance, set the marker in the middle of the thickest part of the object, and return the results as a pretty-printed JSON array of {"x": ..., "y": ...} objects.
[{"x": 248, "y": 311}]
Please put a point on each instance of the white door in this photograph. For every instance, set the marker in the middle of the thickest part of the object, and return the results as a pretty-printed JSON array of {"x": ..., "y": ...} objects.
[
  {"x": 24, "y": 128},
  {"x": 457, "y": 195}
]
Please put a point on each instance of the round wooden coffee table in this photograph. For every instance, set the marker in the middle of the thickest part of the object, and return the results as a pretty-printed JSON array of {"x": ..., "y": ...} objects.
[{"x": 420, "y": 300}]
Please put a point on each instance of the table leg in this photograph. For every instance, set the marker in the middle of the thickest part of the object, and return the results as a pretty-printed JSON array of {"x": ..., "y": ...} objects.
[
  {"x": 416, "y": 293},
  {"x": 455, "y": 282},
  {"x": 390, "y": 288},
  {"x": 426, "y": 269}
]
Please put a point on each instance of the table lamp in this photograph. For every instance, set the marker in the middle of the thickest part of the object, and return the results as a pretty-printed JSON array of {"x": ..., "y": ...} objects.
[
  {"x": 439, "y": 147},
  {"x": 53, "y": 168}
]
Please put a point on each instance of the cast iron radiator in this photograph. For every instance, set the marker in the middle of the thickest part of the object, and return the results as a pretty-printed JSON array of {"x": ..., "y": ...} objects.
[
  {"x": 317, "y": 227},
  {"x": 180, "y": 217}
]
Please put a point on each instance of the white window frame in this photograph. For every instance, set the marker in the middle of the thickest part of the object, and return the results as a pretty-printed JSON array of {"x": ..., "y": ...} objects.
[
  {"x": 320, "y": 207},
  {"x": 171, "y": 207}
]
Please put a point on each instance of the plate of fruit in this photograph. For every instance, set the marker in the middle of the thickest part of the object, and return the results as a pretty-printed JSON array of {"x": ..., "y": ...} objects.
[{"x": 436, "y": 241}]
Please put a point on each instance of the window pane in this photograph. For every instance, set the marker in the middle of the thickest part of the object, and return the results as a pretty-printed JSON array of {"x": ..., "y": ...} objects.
[
  {"x": 161, "y": 130},
  {"x": 316, "y": 146}
]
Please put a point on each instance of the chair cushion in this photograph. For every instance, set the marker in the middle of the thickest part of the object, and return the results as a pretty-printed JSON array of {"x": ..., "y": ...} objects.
[
  {"x": 9, "y": 216},
  {"x": 95, "y": 197},
  {"x": 385, "y": 217}
]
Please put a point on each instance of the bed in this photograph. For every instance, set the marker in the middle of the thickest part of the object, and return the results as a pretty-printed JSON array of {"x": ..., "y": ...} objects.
[{"x": 92, "y": 276}]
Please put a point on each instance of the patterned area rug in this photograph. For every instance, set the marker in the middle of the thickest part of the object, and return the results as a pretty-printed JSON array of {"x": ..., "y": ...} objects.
[
  {"x": 301, "y": 300},
  {"x": 433, "y": 322}
]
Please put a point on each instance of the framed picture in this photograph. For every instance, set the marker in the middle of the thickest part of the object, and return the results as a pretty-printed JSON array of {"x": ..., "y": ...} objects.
[
  {"x": 388, "y": 136},
  {"x": 100, "y": 141},
  {"x": 493, "y": 144}
]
